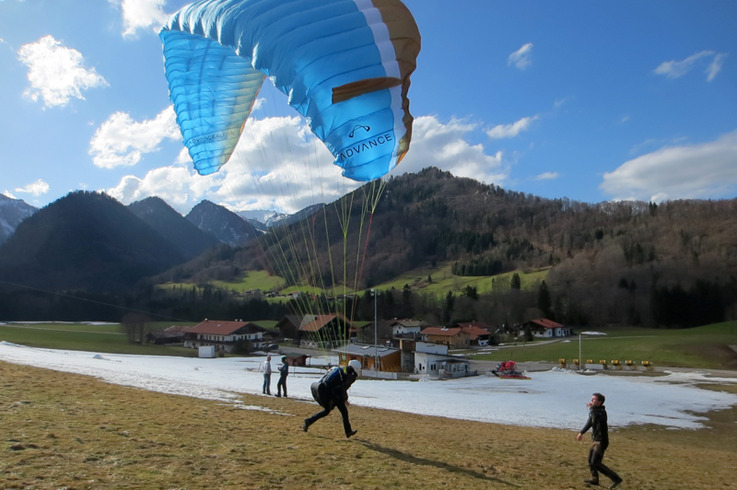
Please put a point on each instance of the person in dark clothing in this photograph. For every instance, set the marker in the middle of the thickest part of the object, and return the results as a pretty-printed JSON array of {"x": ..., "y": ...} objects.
[
  {"x": 332, "y": 391},
  {"x": 283, "y": 372},
  {"x": 597, "y": 422}
]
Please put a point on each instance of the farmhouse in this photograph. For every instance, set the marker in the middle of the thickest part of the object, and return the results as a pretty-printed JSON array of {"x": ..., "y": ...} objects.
[
  {"x": 288, "y": 326},
  {"x": 224, "y": 336},
  {"x": 479, "y": 333},
  {"x": 406, "y": 328},
  {"x": 542, "y": 327},
  {"x": 453, "y": 337},
  {"x": 170, "y": 335},
  {"x": 325, "y": 331}
]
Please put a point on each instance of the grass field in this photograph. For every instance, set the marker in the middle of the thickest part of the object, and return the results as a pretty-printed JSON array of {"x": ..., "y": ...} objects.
[
  {"x": 427, "y": 280},
  {"x": 82, "y": 336},
  {"x": 704, "y": 347},
  {"x": 63, "y": 430},
  {"x": 700, "y": 347}
]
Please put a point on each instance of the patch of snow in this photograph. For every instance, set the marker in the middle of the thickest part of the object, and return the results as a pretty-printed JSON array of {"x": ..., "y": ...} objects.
[{"x": 555, "y": 398}]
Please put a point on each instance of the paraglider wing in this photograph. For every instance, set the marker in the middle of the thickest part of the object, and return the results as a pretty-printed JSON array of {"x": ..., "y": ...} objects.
[{"x": 344, "y": 64}]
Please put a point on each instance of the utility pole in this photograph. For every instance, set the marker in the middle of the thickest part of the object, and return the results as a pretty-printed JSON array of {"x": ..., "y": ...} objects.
[{"x": 376, "y": 333}]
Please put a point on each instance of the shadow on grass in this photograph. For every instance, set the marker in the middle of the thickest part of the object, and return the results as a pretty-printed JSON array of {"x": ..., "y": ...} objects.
[{"x": 408, "y": 458}]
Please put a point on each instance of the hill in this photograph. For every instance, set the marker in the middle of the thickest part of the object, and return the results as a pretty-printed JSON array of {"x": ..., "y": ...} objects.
[
  {"x": 86, "y": 241},
  {"x": 637, "y": 263},
  {"x": 12, "y": 213},
  {"x": 180, "y": 232},
  {"x": 226, "y": 226}
]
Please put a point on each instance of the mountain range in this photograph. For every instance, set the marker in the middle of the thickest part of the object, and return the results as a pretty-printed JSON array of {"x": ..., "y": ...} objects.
[
  {"x": 89, "y": 241},
  {"x": 620, "y": 252}
]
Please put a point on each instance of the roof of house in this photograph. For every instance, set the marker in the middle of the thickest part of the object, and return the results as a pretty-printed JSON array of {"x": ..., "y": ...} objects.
[
  {"x": 475, "y": 329},
  {"x": 545, "y": 323},
  {"x": 408, "y": 322},
  {"x": 450, "y": 332},
  {"x": 217, "y": 327},
  {"x": 314, "y": 323},
  {"x": 366, "y": 350},
  {"x": 294, "y": 320}
]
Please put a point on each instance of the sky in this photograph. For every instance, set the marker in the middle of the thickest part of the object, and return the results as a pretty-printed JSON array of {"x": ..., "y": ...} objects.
[
  {"x": 586, "y": 100},
  {"x": 554, "y": 399}
]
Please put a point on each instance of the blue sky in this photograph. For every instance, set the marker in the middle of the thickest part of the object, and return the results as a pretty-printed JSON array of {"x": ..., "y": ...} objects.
[{"x": 586, "y": 100}]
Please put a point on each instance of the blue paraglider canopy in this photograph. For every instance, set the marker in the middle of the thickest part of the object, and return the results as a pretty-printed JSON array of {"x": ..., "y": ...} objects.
[{"x": 345, "y": 65}]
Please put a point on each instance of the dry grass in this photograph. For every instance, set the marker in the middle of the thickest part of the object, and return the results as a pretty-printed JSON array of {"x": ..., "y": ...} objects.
[{"x": 61, "y": 430}]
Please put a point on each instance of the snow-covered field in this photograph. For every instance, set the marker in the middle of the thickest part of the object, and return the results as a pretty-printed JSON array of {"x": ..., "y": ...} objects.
[{"x": 555, "y": 398}]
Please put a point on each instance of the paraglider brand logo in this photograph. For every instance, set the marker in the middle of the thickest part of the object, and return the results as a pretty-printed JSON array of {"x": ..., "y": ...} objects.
[
  {"x": 353, "y": 133},
  {"x": 365, "y": 145},
  {"x": 219, "y": 136}
]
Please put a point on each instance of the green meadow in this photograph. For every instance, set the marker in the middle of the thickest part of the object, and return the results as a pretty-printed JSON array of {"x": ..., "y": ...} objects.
[
  {"x": 706, "y": 347},
  {"x": 435, "y": 281},
  {"x": 699, "y": 347}
]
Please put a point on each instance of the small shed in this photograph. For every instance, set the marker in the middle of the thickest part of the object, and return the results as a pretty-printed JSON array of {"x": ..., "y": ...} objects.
[{"x": 206, "y": 351}]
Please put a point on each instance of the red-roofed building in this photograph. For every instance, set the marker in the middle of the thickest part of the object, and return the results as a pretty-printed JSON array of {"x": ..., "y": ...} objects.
[
  {"x": 224, "y": 335},
  {"x": 479, "y": 333},
  {"x": 453, "y": 337},
  {"x": 542, "y": 327},
  {"x": 326, "y": 331}
]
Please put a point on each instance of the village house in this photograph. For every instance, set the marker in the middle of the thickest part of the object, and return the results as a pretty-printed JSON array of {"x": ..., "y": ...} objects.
[
  {"x": 406, "y": 328},
  {"x": 169, "y": 336},
  {"x": 288, "y": 326},
  {"x": 453, "y": 337},
  {"x": 479, "y": 333},
  {"x": 542, "y": 327},
  {"x": 325, "y": 331},
  {"x": 225, "y": 335},
  {"x": 433, "y": 360},
  {"x": 389, "y": 358}
]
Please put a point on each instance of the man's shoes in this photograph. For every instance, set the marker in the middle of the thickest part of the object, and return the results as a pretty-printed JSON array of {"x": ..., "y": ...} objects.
[
  {"x": 305, "y": 425},
  {"x": 351, "y": 433},
  {"x": 591, "y": 482},
  {"x": 615, "y": 483},
  {"x": 279, "y": 395}
]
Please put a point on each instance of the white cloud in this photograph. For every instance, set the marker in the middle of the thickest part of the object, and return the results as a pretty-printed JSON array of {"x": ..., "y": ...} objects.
[
  {"x": 141, "y": 14},
  {"x": 511, "y": 130},
  {"x": 522, "y": 58},
  {"x": 715, "y": 66},
  {"x": 446, "y": 146},
  {"x": 697, "y": 171},
  {"x": 677, "y": 69},
  {"x": 56, "y": 73},
  {"x": 180, "y": 187},
  {"x": 121, "y": 142},
  {"x": 547, "y": 176},
  {"x": 36, "y": 188},
  {"x": 280, "y": 165}
]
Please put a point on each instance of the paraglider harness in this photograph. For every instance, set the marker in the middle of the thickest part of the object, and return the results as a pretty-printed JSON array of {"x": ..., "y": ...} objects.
[{"x": 332, "y": 388}]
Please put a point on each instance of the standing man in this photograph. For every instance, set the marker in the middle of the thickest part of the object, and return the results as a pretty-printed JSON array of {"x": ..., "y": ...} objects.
[
  {"x": 332, "y": 391},
  {"x": 597, "y": 422},
  {"x": 267, "y": 376},
  {"x": 283, "y": 372}
]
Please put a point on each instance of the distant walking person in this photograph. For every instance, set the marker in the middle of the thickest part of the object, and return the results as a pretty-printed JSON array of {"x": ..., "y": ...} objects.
[
  {"x": 332, "y": 391},
  {"x": 283, "y": 372},
  {"x": 266, "y": 366},
  {"x": 597, "y": 422}
]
